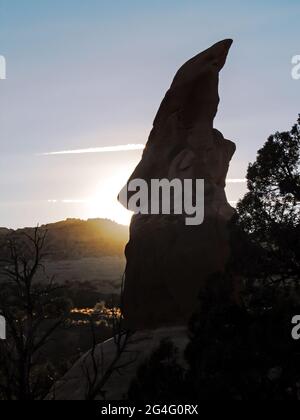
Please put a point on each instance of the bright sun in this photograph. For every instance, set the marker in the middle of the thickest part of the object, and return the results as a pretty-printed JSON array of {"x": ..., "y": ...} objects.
[{"x": 104, "y": 203}]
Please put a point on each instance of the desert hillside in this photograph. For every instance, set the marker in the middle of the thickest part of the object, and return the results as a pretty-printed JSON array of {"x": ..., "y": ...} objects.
[
  {"x": 77, "y": 251},
  {"x": 74, "y": 238}
]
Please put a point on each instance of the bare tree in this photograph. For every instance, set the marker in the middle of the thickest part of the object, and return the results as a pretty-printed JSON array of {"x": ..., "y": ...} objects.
[
  {"x": 96, "y": 369},
  {"x": 33, "y": 311}
]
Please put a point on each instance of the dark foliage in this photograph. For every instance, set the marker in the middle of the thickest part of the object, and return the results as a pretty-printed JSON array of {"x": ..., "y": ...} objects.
[
  {"x": 270, "y": 213},
  {"x": 160, "y": 378},
  {"x": 240, "y": 354}
]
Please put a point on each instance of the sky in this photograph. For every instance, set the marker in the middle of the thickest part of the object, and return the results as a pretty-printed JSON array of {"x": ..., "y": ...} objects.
[{"x": 91, "y": 75}]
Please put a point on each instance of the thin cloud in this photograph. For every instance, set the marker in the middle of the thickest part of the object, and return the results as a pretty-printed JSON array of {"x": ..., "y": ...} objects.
[
  {"x": 75, "y": 201},
  {"x": 121, "y": 148},
  {"x": 108, "y": 149}
]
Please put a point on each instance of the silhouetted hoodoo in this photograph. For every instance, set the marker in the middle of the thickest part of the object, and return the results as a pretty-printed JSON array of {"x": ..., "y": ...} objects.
[{"x": 167, "y": 261}]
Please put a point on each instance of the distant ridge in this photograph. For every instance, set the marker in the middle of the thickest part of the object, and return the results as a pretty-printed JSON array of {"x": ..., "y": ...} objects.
[{"x": 75, "y": 238}]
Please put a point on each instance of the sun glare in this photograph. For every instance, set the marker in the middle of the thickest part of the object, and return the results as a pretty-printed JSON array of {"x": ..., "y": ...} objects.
[{"x": 104, "y": 202}]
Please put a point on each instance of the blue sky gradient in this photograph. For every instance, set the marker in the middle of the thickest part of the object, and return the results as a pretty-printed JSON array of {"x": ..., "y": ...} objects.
[{"x": 91, "y": 74}]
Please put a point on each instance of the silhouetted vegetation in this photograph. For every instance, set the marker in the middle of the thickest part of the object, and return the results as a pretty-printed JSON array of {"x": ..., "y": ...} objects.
[
  {"x": 160, "y": 378},
  {"x": 48, "y": 326},
  {"x": 96, "y": 369},
  {"x": 33, "y": 313},
  {"x": 241, "y": 346},
  {"x": 270, "y": 214}
]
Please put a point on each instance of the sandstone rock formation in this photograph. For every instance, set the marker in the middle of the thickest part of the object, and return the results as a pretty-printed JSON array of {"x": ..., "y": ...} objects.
[
  {"x": 169, "y": 262},
  {"x": 75, "y": 384}
]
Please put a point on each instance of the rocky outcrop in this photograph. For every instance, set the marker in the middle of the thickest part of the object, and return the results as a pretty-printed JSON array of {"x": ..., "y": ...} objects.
[
  {"x": 168, "y": 262},
  {"x": 111, "y": 373}
]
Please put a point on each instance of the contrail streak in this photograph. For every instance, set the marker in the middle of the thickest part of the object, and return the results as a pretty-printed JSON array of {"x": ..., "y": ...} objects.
[{"x": 120, "y": 148}]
